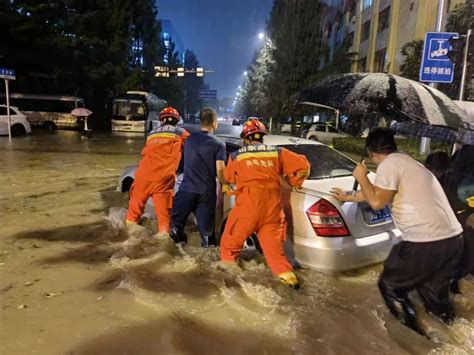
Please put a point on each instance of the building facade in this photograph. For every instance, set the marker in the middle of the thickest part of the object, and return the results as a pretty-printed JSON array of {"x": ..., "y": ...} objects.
[
  {"x": 377, "y": 29},
  {"x": 168, "y": 35}
]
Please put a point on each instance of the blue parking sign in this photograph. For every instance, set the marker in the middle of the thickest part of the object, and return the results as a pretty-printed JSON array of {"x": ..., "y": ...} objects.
[
  {"x": 436, "y": 67},
  {"x": 8, "y": 74}
]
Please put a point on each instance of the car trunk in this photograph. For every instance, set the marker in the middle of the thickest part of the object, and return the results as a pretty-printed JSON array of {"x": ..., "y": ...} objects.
[{"x": 359, "y": 217}]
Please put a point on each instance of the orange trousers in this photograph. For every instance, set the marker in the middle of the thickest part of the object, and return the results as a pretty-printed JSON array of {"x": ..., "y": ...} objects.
[
  {"x": 140, "y": 192},
  {"x": 258, "y": 211}
]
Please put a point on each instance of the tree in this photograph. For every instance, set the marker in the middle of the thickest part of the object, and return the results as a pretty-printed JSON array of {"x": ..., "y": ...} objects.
[
  {"x": 243, "y": 106},
  {"x": 288, "y": 62},
  {"x": 460, "y": 20},
  {"x": 412, "y": 53},
  {"x": 192, "y": 83},
  {"x": 171, "y": 89},
  {"x": 88, "y": 48},
  {"x": 340, "y": 63},
  {"x": 260, "y": 75},
  {"x": 294, "y": 28}
]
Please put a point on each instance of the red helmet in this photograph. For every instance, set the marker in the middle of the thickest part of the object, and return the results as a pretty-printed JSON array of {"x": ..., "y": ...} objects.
[
  {"x": 169, "y": 115},
  {"x": 253, "y": 126}
]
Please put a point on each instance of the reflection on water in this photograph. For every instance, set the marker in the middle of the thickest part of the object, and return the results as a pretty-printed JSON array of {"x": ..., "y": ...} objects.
[{"x": 60, "y": 192}]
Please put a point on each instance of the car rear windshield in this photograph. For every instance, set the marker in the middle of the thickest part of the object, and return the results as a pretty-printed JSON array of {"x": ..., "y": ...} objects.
[{"x": 325, "y": 162}]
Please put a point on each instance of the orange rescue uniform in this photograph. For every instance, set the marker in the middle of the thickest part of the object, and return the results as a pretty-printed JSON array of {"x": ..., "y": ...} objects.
[
  {"x": 256, "y": 169},
  {"x": 156, "y": 174}
]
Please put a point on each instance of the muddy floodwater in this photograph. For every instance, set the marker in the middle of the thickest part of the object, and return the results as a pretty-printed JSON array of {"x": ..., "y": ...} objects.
[{"x": 72, "y": 281}]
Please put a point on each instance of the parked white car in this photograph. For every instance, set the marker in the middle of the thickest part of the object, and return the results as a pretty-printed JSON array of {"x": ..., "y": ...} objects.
[
  {"x": 322, "y": 233},
  {"x": 20, "y": 125},
  {"x": 324, "y": 133}
]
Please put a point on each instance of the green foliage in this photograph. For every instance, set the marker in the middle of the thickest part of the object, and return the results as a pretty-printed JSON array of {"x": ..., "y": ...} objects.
[
  {"x": 172, "y": 89},
  {"x": 89, "y": 48},
  {"x": 353, "y": 145},
  {"x": 460, "y": 20},
  {"x": 290, "y": 60},
  {"x": 280, "y": 68},
  {"x": 192, "y": 84},
  {"x": 356, "y": 147},
  {"x": 412, "y": 53},
  {"x": 294, "y": 29},
  {"x": 255, "y": 94},
  {"x": 341, "y": 63}
]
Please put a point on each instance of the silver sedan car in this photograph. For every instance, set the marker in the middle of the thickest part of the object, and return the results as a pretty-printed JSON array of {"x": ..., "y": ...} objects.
[{"x": 322, "y": 233}]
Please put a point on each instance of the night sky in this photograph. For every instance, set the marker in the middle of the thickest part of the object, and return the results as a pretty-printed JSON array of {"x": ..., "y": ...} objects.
[{"x": 222, "y": 33}]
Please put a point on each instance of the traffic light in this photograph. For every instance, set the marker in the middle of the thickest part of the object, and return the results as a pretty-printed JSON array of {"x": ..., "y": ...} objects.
[{"x": 163, "y": 72}]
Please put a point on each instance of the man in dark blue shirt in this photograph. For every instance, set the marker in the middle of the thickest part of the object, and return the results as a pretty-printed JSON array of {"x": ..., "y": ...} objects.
[{"x": 204, "y": 161}]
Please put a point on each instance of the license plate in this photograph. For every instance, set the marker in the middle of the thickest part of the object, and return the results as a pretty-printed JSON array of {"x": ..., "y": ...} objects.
[{"x": 377, "y": 216}]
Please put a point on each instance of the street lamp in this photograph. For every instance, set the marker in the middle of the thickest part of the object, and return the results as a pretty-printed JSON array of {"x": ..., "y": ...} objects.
[
  {"x": 246, "y": 73},
  {"x": 261, "y": 35}
]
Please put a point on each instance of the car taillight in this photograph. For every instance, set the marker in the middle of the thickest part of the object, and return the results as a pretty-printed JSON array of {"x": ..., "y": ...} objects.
[{"x": 326, "y": 220}]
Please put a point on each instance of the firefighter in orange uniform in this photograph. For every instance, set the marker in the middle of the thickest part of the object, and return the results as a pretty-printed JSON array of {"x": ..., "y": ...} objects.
[
  {"x": 256, "y": 170},
  {"x": 156, "y": 173}
]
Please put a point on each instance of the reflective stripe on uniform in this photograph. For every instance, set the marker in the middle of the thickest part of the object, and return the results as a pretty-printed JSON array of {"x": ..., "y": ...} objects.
[
  {"x": 249, "y": 155},
  {"x": 161, "y": 135}
]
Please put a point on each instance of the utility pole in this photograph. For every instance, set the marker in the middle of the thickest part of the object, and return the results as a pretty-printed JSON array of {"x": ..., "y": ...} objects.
[
  {"x": 7, "y": 75},
  {"x": 7, "y": 93},
  {"x": 425, "y": 141},
  {"x": 464, "y": 65}
]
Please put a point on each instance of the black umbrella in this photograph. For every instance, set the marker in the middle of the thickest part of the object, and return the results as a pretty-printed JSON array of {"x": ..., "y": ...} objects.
[
  {"x": 439, "y": 133},
  {"x": 369, "y": 95},
  {"x": 373, "y": 94}
]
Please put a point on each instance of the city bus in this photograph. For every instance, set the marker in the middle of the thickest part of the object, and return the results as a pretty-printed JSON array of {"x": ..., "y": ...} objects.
[
  {"x": 50, "y": 112},
  {"x": 135, "y": 111}
]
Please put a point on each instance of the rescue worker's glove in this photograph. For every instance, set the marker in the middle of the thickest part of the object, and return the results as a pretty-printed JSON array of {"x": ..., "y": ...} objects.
[
  {"x": 227, "y": 189},
  {"x": 298, "y": 178},
  {"x": 289, "y": 278},
  {"x": 470, "y": 201}
]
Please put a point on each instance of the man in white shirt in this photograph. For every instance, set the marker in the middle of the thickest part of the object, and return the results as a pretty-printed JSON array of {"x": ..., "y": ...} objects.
[{"x": 432, "y": 242}]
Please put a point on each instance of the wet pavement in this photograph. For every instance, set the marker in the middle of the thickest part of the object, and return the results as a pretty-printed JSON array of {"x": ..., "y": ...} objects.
[{"x": 73, "y": 281}]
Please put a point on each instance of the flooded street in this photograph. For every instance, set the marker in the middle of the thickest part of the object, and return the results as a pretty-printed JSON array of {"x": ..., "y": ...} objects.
[{"x": 74, "y": 282}]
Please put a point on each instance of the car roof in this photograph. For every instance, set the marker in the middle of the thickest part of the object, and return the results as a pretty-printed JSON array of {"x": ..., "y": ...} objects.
[
  {"x": 271, "y": 139},
  {"x": 287, "y": 140}
]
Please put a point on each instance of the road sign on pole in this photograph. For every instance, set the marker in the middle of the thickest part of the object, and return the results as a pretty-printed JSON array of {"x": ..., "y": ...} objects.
[
  {"x": 425, "y": 144},
  {"x": 436, "y": 67},
  {"x": 208, "y": 94},
  {"x": 7, "y": 75}
]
